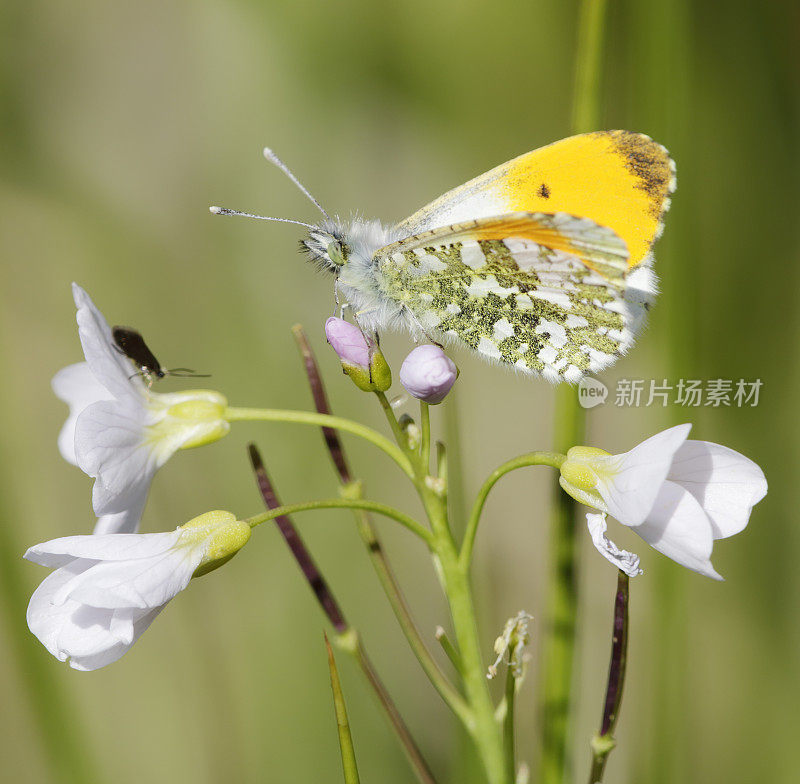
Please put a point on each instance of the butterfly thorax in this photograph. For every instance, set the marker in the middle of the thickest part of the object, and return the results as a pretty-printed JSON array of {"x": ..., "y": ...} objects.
[{"x": 348, "y": 250}]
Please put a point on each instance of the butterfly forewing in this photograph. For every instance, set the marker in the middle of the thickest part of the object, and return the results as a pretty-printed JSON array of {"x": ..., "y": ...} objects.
[
  {"x": 598, "y": 247},
  {"x": 618, "y": 179}
]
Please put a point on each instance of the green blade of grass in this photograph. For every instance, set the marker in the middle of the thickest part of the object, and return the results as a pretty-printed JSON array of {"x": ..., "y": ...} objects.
[{"x": 345, "y": 740}]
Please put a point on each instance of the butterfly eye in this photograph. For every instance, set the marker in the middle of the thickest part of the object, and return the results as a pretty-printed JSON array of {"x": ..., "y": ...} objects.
[{"x": 337, "y": 253}]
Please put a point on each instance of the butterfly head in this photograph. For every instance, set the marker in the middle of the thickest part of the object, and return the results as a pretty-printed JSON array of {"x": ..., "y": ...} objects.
[
  {"x": 326, "y": 247},
  {"x": 332, "y": 243}
]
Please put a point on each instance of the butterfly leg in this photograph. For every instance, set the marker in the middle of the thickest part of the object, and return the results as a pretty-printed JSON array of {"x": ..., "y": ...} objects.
[
  {"x": 424, "y": 331},
  {"x": 339, "y": 306}
]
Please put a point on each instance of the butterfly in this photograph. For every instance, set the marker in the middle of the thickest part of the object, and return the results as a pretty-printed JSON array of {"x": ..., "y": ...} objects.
[{"x": 543, "y": 264}]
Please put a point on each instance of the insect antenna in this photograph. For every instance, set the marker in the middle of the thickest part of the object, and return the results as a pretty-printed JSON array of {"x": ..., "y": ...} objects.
[
  {"x": 186, "y": 373},
  {"x": 272, "y": 158},
  {"x": 226, "y": 211}
]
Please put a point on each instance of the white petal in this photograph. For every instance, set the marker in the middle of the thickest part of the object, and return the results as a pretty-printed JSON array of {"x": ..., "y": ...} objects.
[
  {"x": 46, "y": 620},
  {"x": 726, "y": 484},
  {"x": 622, "y": 559},
  {"x": 77, "y": 386},
  {"x": 111, "y": 445},
  {"x": 87, "y": 637},
  {"x": 142, "y": 583},
  {"x": 636, "y": 476},
  {"x": 679, "y": 528},
  {"x": 122, "y": 624},
  {"x": 109, "y": 655},
  {"x": 126, "y": 522},
  {"x": 108, "y": 547},
  {"x": 110, "y": 366},
  {"x": 84, "y": 631}
]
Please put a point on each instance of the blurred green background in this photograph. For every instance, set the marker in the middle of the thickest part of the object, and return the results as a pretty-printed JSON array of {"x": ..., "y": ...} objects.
[{"x": 122, "y": 122}]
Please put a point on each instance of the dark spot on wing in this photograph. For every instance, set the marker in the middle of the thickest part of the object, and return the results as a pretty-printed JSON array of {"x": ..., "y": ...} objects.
[
  {"x": 544, "y": 191},
  {"x": 649, "y": 162}
]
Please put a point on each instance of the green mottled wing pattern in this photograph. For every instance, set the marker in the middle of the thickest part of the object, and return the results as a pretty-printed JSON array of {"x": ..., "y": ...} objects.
[{"x": 516, "y": 301}]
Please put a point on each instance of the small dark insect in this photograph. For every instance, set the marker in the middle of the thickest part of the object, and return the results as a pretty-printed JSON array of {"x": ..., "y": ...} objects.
[{"x": 130, "y": 343}]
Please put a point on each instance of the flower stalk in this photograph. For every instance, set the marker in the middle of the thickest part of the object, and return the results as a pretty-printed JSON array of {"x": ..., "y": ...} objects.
[
  {"x": 346, "y": 634},
  {"x": 380, "y": 562},
  {"x": 479, "y": 719},
  {"x": 603, "y": 743},
  {"x": 509, "y": 740},
  {"x": 344, "y": 503},
  {"x": 552, "y": 459},
  {"x": 236, "y": 414}
]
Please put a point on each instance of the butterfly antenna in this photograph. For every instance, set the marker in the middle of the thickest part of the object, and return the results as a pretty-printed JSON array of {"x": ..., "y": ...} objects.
[
  {"x": 226, "y": 211},
  {"x": 272, "y": 158}
]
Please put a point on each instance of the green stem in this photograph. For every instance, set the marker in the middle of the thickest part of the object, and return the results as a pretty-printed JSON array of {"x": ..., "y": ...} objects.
[
  {"x": 455, "y": 580},
  {"x": 450, "y": 651},
  {"x": 483, "y": 727},
  {"x": 441, "y": 463},
  {"x": 561, "y": 614},
  {"x": 480, "y": 721},
  {"x": 341, "y": 503},
  {"x": 352, "y": 489},
  {"x": 425, "y": 425},
  {"x": 455, "y": 470},
  {"x": 508, "y": 723},
  {"x": 591, "y": 33},
  {"x": 559, "y": 644},
  {"x": 347, "y": 637},
  {"x": 403, "y": 614},
  {"x": 397, "y": 431},
  {"x": 419, "y": 764},
  {"x": 532, "y": 459},
  {"x": 323, "y": 420}
]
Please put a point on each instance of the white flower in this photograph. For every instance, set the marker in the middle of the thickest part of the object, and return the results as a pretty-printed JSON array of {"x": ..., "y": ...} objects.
[
  {"x": 120, "y": 432},
  {"x": 107, "y": 589},
  {"x": 678, "y": 495}
]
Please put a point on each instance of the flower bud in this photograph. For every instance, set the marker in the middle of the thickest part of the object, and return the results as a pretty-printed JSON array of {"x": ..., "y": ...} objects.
[
  {"x": 364, "y": 363},
  {"x": 428, "y": 373},
  {"x": 223, "y": 534}
]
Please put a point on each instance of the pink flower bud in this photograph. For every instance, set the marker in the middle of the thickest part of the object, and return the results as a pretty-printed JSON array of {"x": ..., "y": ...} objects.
[
  {"x": 428, "y": 373},
  {"x": 348, "y": 342},
  {"x": 365, "y": 364}
]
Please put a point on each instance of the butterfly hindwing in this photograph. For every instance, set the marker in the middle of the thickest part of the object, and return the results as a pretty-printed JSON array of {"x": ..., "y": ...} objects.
[{"x": 547, "y": 294}]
